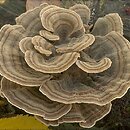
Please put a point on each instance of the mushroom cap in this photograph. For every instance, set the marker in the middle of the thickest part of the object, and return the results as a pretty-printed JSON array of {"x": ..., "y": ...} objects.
[
  {"x": 48, "y": 35},
  {"x": 92, "y": 66},
  {"x": 26, "y": 44},
  {"x": 108, "y": 23},
  {"x": 83, "y": 11},
  {"x": 62, "y": 22},
  {"x": 32, "y": 101},
  {"x": 55, "y": 67},
  {"x": 31, "y": 21},
  {"x": 76, "y": 86},
  {"x": 84, "y": 114},
  {"x": 76, "y": 44},
  {"x": 13, "y": 65},
  {"x": 30, "y": 4},
  {"x": 41, "y": 45},
  {"x": 36, "y": 43},
  {"x": 55, "y": 64}
]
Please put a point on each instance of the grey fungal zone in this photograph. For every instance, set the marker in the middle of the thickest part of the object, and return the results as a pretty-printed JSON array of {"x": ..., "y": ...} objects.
[{"x": 54, "y": 67}]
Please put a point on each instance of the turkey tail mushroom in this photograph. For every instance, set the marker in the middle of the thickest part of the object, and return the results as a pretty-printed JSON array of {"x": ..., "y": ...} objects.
[
  {"x": 84, "y": 114},
  {"x": 32, "y": 101},
  {"x": 83, "y": 11},
  {"x": 55, "y": 67},
  {"x": 108, "y": 23}
]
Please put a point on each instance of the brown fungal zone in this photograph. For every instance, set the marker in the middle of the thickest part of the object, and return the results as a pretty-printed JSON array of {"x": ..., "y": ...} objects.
[
  {"x": 30, "y": 4},
  {"x": 54, "y": 67}
]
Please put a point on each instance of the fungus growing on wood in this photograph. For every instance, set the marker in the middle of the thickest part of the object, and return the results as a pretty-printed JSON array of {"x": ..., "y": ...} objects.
[
  {"x": 30, "y": 4},
  {"x": 98, "y": 87},
  {"x": 83, "y": 11},
  {"x": 49, "y": 35},
  {"x": 32, "y": 101},
  {"x": 76, "y": 44},
  {"x": 55, "y": 64},
  {"x": 13, "y": 65},
  {"x": 108, "y": 23},
  {"x": 60, "y": 21},
  {"x": 50, "y": 59},
  {"x": 85, "y": 114}
]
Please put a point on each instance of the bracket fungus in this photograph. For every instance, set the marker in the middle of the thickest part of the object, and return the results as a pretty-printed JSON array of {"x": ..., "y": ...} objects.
[{"x": 57, "y": 68}]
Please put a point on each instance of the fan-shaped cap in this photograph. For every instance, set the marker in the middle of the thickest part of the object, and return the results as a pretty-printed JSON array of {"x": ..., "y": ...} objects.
[
  {"x": 84, "y": 114},
  {"x": 38, "y": 62},
  {"x": 12, "y": 63},
  {"x": 101, "y": 88},
  {"x": 42, "y": 46},
  {"x": 26, "y": 44},
  {"x": 54, "y": 69},
  {"x": 55, "y": 64},
  {"x": 36, "y": 43},
  {"x": 89, "y": 65},
  {"x": 83, "y": 11},
  {"x": 76, "y": 44},
  {"x": 31, "y": 21},
  {"x": 48, "y": 35},
  {"x": 32, "y": 101},
  {"x": 108, "y": 23},
  {"x": 62, "y": 22},
  {"x": 30, "y": 4}
]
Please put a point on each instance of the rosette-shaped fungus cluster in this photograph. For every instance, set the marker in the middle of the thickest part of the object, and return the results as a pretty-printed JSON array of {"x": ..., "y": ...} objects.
[{"x": 61, "y": 69}]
